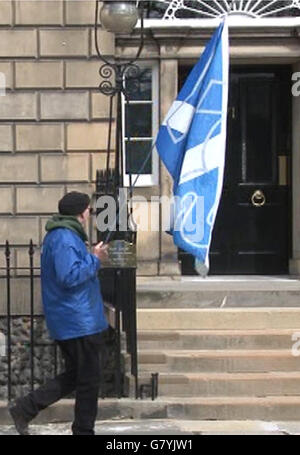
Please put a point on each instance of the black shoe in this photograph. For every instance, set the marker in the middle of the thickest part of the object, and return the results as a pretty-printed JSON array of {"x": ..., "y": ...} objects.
[{"x": 20, "y": 422}]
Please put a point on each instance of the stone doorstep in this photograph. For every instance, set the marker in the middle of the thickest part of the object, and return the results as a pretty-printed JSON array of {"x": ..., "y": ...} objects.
[
  {"x": 218, "y": 299},
  {"x": 218, "y": 283},
  {"x": 195, "y": 408},
  {"x": 218, "y": 292},
  {"x": 222, "y": 384}
]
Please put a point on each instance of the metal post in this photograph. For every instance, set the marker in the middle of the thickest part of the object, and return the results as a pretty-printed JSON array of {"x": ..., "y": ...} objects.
[
  {"x": 154, "y": 385},
  {"x": 7, "y": 254},
  {"x": 122, "y": 294},
  {"x": 117, "y": 274},
  {"x": 31, "y": 253},
  {"x": 133, "y": 327},
  {"x": 55, "y": 359}
]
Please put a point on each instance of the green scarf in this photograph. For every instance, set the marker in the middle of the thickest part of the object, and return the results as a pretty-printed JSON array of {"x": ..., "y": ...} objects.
[{"x": 69, "y": 222}]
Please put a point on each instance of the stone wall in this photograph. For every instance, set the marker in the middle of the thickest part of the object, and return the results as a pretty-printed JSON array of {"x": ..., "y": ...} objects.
[
  {"x": 47, "y": 360},
  {"x": 53, "y": 121}
]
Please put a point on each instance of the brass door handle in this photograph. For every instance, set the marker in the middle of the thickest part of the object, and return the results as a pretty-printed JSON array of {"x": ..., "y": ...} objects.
[{"x": 258, "y": 198}]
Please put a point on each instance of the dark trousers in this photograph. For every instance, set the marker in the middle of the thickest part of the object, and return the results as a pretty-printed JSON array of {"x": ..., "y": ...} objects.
[{"x": 82, "y": 375}]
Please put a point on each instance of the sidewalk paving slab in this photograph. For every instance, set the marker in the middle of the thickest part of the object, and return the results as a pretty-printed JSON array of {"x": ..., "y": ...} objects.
[{"x": 168, "y": 427}]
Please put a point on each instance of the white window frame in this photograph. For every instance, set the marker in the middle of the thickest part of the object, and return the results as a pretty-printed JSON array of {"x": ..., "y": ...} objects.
[{"x": 152, "y": 179}]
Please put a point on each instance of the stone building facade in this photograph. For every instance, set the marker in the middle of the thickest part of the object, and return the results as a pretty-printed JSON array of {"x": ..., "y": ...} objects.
[{"x": 54, "y": 122}]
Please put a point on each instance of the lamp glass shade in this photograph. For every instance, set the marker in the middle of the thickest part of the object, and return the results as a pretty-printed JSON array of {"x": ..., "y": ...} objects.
[{"x": 119, "y": 16}]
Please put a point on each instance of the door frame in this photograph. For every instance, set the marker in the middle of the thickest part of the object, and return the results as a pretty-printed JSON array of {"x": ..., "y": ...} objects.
[{"x": 294, "y": 265}]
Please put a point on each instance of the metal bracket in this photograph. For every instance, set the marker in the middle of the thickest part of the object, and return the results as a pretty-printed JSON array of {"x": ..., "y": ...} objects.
[{"x": 147, "y": 390}]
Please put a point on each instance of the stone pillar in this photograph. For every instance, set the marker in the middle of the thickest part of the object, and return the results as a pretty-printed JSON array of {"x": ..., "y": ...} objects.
[
  {"x": 168, "y": 264},
  {"x": 295, "y": 261}
]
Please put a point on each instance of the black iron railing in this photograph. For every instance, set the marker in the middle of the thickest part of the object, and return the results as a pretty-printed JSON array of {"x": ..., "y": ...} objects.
[
  {"x": 9, "y": 270},
  {"x": 118, "y": 283},
  {"x": 119, "y": 286}
]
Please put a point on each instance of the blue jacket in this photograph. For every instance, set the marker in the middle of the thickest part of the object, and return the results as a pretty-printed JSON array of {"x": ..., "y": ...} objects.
[{"x": 71, "y": 292}]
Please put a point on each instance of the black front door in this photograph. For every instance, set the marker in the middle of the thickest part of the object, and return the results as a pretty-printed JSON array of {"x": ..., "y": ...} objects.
[{"x": 252, "y": 229}]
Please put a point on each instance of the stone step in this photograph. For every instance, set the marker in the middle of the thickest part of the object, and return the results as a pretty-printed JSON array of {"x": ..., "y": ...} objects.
[
  {"x": 216, "y": 319},
  {"x": 217, "y": 339},
  {"x": 223, "y": 384},
  {"x": 230, "y": 361},
  {"x": 214, "y": 292},
  {"x": 181, "y": 408},
  {"x": 215, "y": 299},
  {"x": 229, "y": 408}
]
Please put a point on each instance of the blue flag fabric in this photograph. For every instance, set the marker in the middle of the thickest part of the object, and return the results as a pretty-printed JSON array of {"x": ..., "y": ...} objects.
[{"x": 191, "y": 143}]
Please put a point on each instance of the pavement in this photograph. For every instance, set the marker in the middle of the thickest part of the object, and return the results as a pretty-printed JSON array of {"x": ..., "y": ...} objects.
[{"x": 169, "y": 427}]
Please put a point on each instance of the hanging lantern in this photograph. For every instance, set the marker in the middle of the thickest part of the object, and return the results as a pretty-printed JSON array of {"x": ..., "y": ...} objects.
[{"x": 119, "y": 16}]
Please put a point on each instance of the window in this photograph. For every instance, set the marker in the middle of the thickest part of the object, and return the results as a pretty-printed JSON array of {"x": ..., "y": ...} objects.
[{"x": 141, "y": 118}]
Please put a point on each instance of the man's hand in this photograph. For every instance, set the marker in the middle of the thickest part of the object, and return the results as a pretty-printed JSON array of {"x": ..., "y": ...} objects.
[{"x": 101, "y": 251}]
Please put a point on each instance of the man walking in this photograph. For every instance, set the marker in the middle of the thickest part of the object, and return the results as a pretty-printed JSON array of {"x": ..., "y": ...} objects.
[{"x": 74, "y": 314}]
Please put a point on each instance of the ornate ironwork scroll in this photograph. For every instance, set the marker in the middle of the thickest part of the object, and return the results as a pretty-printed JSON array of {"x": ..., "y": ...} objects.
[{"x": 209, "y": 9}]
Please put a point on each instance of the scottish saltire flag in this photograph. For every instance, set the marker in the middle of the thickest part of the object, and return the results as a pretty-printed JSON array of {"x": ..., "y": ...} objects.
[{"x": 191, "y": 143}]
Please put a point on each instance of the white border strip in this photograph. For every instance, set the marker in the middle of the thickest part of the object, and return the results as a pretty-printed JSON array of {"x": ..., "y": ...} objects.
[{"x": 233, "y": 22}]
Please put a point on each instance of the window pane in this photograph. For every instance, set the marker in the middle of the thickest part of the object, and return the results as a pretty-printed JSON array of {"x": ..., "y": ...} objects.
[
  {"x": 138, "y": 120},
  {"x": 141, "y": 90},
  {"x": 136, "y": 153}
]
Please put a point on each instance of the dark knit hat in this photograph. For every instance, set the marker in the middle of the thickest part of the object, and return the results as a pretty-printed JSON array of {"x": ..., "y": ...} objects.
[{"x": 73, "y": 203}]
